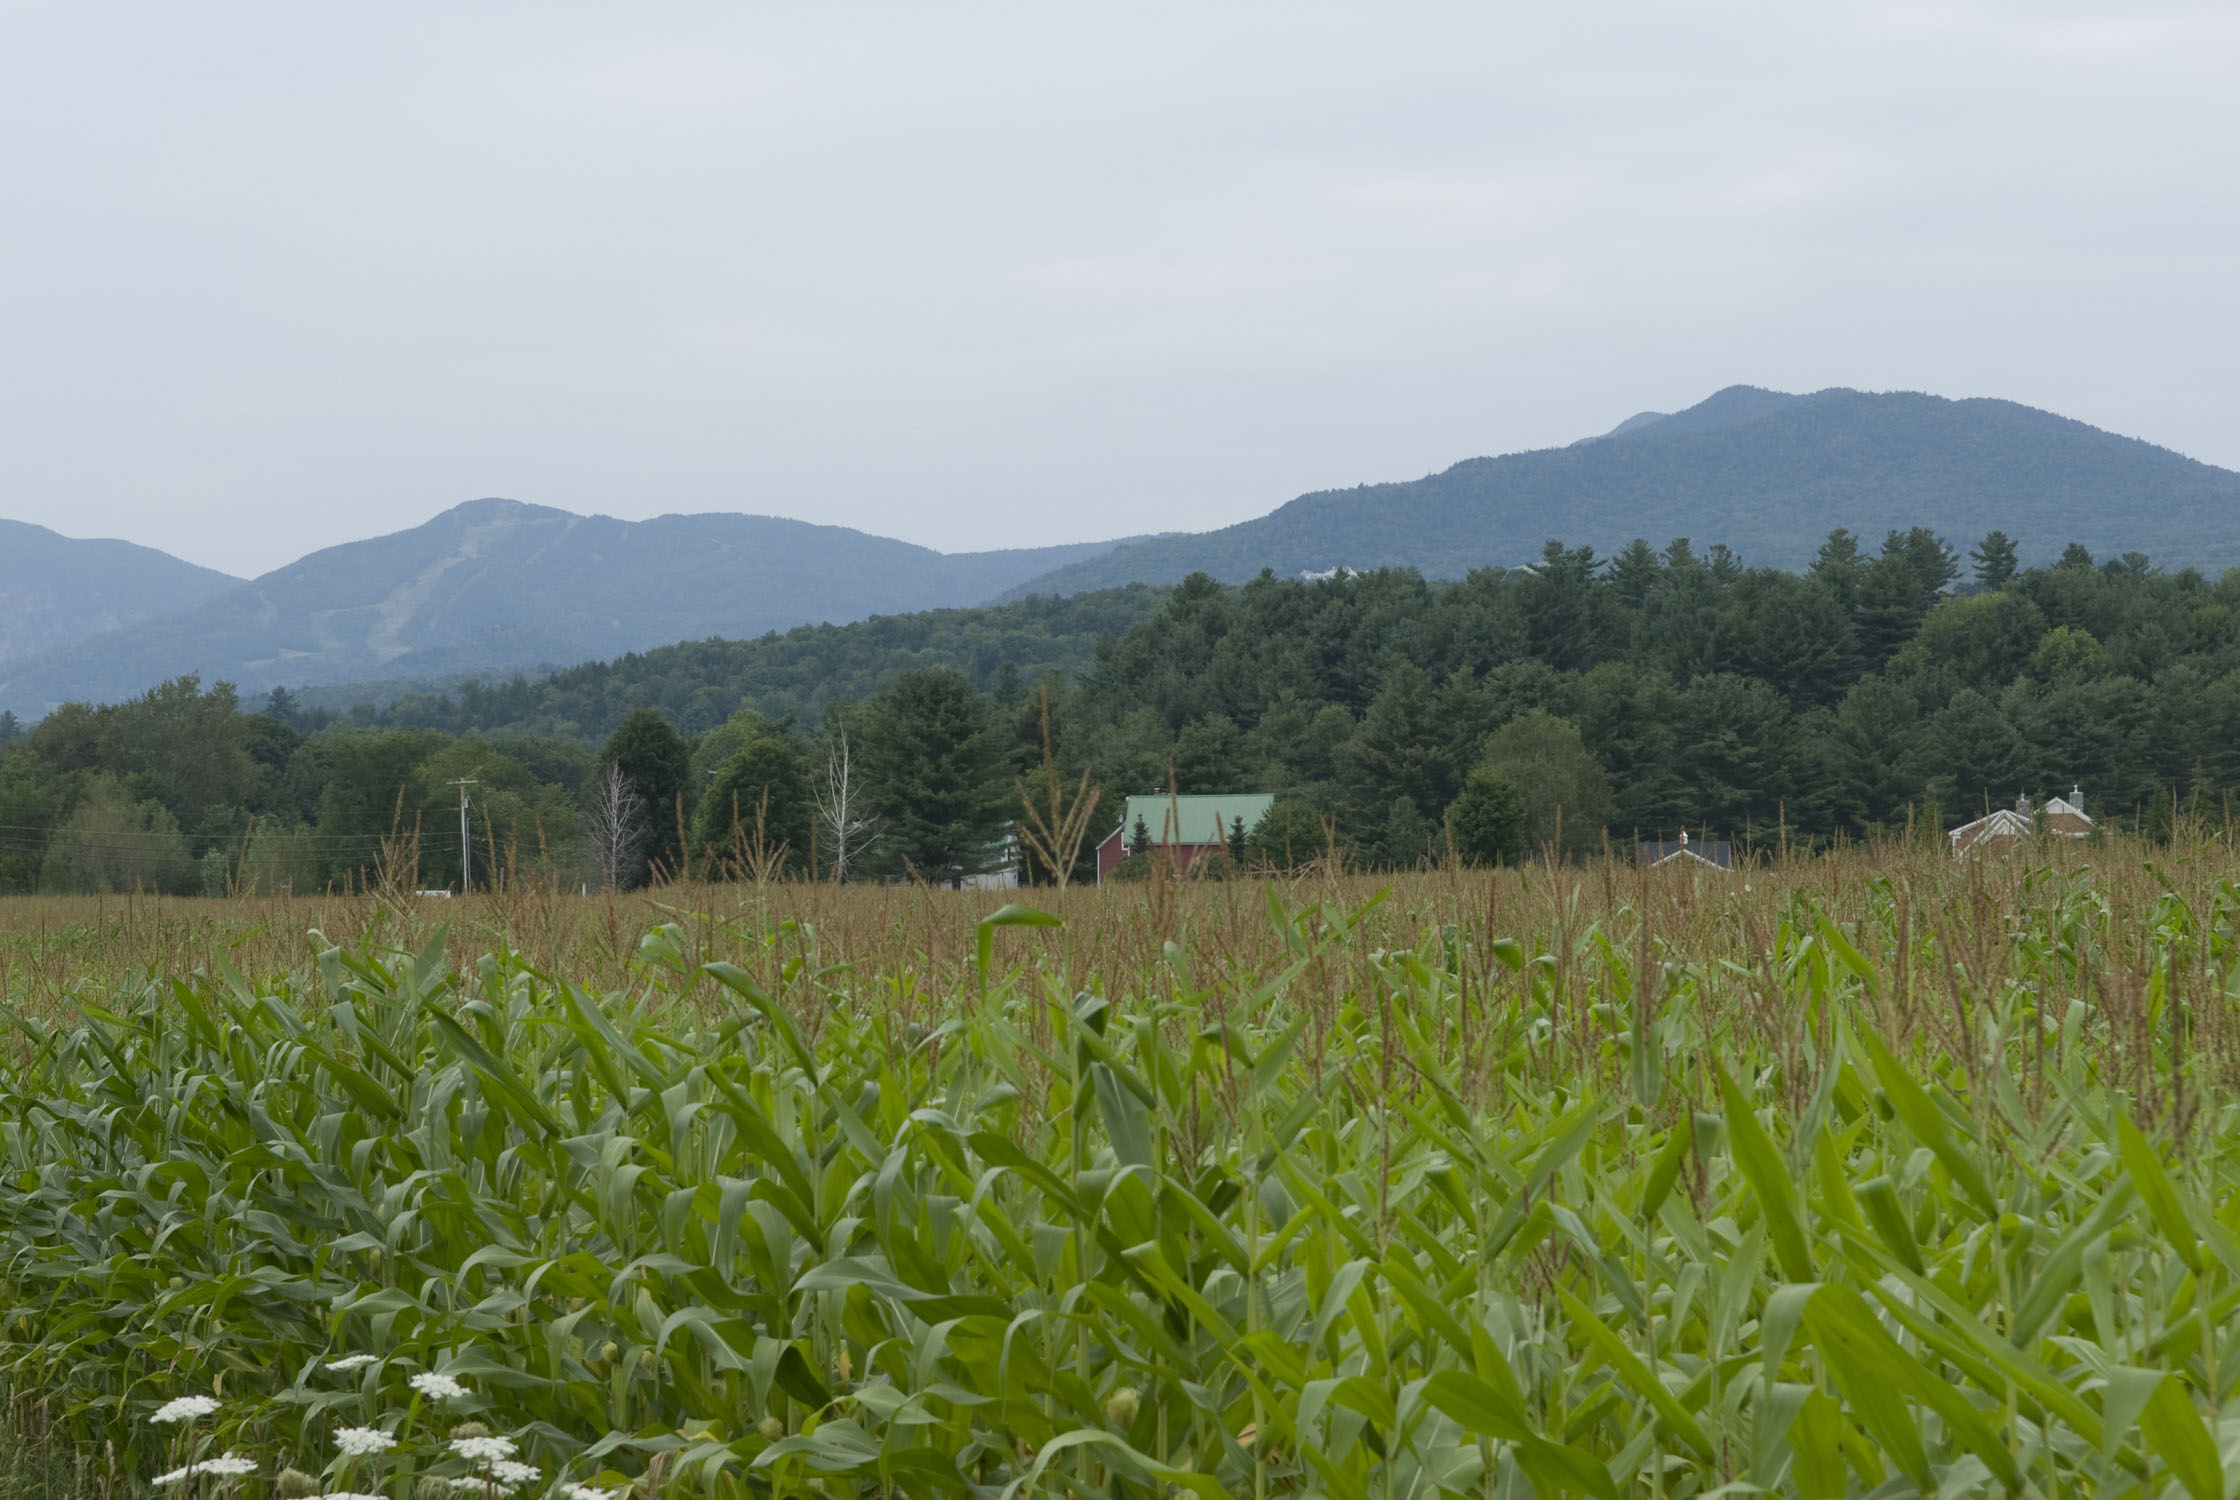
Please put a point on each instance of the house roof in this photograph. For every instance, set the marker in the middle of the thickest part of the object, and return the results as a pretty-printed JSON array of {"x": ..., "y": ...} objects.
[
  {"x": 2006, "y": 823},
  {"x": 2066, "y": 816},
  {"x": 1716, "y": 852},
  {"x": 1198, "y": 819},
  {"x": 2061, "y": 816}
]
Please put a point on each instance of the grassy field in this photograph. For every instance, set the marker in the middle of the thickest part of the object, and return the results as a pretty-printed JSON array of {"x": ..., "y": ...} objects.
[{"x": 1865, "y": 1174}]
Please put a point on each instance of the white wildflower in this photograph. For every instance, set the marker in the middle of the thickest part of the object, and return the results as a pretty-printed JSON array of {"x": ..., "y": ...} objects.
[
  {"x": 229, "y": 1466},
  {"x": 585, "y": 1492},
  {"x": 507, "y": 1471},
  {"x": 350, "y": 1495},
  {"x": 484, "y": 1450},
  {"x": 352, "y": 1361},
  {"x": 357, "y": 1442},
  {"x": 185, "y": 1409},
  {"x": 437, "y": 1387}
]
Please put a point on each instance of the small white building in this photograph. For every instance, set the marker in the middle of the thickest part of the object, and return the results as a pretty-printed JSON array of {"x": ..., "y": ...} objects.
[
  {"x": 2062, "y": 817},
  {"x": 1005, "y": 875}
]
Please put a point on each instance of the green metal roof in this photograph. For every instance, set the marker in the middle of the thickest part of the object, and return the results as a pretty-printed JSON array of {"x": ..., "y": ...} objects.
[{"x": 1201, "y": 819}]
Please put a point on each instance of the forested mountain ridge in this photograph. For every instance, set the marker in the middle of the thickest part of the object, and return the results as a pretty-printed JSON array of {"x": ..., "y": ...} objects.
[
  {"x": 798, "y": 675},
  {"x": 56, "y": 589},
  {"x": 493, "y": 585},
  {"x": 1767, "y": 473}
]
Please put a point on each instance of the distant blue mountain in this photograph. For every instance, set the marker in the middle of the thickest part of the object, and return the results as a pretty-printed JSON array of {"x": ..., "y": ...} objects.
[
  {"x": 56, "y": 589},
  {"x": 496, "y": 585},
  {"x": 1766, "y": 472}
]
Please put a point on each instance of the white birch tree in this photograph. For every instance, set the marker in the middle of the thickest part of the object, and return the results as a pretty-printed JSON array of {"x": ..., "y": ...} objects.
[
  {"x": 840, "y": 814},
  {"x": 614, "y": 820}
]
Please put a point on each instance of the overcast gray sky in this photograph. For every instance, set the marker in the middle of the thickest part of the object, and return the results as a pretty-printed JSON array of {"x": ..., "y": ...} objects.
[{"x": 278, "y": 276}]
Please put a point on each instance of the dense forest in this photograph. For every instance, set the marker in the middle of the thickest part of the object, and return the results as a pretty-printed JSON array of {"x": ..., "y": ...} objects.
[{"x": 1513, "y": 711}]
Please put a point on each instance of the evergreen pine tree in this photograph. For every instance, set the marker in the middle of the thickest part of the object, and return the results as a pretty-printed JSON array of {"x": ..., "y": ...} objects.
[
  {"x": 1839, "y": 568},
  {"x": 1995, "y": 560},
  {"x": 1634, "y": 572},
  {"x": 936, "y": 775}
]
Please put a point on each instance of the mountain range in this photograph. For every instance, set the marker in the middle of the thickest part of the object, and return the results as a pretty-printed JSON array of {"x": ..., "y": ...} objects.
[
  {"x": 1767, "y": 473},
  {"x": 499, "y": 586},
  {"x": 56, "y": 589},
  {"x": 496, "y": 586}
]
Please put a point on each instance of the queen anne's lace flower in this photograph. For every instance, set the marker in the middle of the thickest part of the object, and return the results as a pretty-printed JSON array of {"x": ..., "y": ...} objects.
[
  {"x": 185, "y": 1409},
  {"x": 507, "y": 1471},
  {"x": 350, "y": 1495},
  {"x": 357, "y": 1442},
  {"x": 483, "y": 1450},
  {"x": 584, "y": 1492},
  {"x": 229, "y": 1466},
  {"x": 437, "y": 1387},
  {"x": 352, "y": 1361}
]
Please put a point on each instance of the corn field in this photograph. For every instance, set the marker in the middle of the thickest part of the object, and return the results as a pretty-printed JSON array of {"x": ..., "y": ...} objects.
[{"x": 1872, "y": 1174}]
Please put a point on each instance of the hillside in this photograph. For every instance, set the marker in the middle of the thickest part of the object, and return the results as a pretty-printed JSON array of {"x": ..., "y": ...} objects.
[
  {"x": 496, "y": 585},
  {"x": 1766, "y": 472},
  {"x": 56, "y": 589},
  {"x": 801, "y": 672}
]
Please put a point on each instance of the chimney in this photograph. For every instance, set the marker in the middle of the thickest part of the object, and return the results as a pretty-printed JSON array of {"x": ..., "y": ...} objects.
[{"x": 2076, "y": 797}]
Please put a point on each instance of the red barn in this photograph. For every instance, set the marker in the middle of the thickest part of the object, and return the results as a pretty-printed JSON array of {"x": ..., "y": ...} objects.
[{"x": 1183, "y": 828}]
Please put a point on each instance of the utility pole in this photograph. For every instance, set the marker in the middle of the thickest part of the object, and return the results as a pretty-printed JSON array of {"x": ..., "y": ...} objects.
[{"x": 466, "y": 845}]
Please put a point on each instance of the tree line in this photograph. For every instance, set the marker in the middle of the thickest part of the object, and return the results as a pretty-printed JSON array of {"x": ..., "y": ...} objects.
[
  {"x": 1652, "y": 692},
  {"x": 1400, "y": 719},
  {"x": 184, "y": 790}
]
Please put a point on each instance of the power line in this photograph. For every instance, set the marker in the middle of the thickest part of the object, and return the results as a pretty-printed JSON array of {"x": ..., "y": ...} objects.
[{"x": 300, "y": 836}]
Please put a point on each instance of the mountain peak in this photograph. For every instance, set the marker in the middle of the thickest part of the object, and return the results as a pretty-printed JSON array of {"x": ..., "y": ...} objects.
[
  {"x": 498, "y": 508},
  {"x": 1731, "y": 407}
]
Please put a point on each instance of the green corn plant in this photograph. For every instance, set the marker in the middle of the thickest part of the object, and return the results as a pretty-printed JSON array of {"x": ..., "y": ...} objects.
[{"x": 1478, "y": 1214}]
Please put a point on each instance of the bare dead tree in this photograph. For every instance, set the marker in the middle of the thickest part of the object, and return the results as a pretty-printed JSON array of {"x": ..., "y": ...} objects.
[
  {"x": 614, "y": 819},
  {"x": 840, "y": 814}
]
